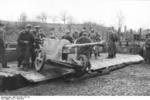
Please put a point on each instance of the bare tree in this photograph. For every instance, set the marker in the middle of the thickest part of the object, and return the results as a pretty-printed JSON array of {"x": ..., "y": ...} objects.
[
  {"x": 54, "y": 19},
  {"x": 42, "y": 17},
  {"x": 120, "y": 18},
  {"x": 70, "y": 22},
  {"x": 23, "y": 17},
  {"x": 22, "y": 20},
  {"x": 64, "y": 17}
]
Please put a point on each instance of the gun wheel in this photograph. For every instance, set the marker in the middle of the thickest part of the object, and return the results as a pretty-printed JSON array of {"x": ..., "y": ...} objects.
[
  {"x": 84, "y": 63},
  {"x": 40, "y": 60}
]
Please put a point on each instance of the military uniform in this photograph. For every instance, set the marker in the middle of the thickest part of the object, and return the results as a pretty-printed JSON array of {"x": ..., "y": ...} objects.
[
  {"x": 86, "y": 50},
  {"x": 68, "y": 37},
  {"x": 24, "y": 49},
  {"x": 38, "y": 36},
  {"x": 111, "y": 45},
  {"x": 147, "y": 50},
  {"x": 38, "y": 33},
  {"x": 95, "y": 38},
  {"x": 75, "y": 36},
  {"x": 2, "y": 48}
]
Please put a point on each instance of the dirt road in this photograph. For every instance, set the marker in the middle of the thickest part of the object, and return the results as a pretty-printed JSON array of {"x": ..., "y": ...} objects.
[{"x": 131, "y": 80}]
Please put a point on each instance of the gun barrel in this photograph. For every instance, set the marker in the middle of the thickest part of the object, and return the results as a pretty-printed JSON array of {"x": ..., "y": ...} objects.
[{"x": 101, "y": 43}]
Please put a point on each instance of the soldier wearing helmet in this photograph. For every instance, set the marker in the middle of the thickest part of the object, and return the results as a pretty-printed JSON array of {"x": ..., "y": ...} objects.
[{"x": 24, "y": 46}]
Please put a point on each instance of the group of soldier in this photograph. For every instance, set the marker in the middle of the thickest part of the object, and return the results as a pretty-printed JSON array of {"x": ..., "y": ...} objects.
[
  {"x": 84, "y": 37},
  {"x": 89, "y": 37},
  {"x": 27, "y": 43},
  {"x": 28, "y": 38}
]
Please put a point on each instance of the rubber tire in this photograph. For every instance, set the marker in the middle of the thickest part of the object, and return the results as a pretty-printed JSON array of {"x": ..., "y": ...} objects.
[
  {"x": 85, "y": 62},
  {"x": 43, "y": 62}
]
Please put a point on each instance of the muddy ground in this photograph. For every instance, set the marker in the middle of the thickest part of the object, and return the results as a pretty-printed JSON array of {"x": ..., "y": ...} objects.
[{"x": 131, "y": 80}]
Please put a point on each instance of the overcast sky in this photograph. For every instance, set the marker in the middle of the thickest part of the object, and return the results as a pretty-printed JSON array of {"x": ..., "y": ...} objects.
[{"x": 136, "y": 12}]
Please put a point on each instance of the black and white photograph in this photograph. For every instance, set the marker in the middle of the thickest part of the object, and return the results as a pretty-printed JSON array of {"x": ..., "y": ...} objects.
[{"x": 74, "y": 48}]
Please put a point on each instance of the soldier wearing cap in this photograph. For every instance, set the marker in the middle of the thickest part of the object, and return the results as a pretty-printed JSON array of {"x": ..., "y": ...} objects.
[
  {"x": 86, "y": 50},
  {"x": 2, "y": 46},
  {"x": 24, "y": 46},
  {"x": 38, "y": 37},
  {"x": 39, "y": 33}
]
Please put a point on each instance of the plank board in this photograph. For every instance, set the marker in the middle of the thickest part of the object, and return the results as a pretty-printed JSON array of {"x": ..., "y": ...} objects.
[
  {"x": 49, "y": 72},
  {"x": 103, "y": 61},
  {"x": 53, "y": 73}
]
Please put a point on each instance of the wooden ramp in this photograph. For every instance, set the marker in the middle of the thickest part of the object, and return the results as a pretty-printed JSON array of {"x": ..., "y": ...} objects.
[
  {"x": 49, "y": 72},
  {"x": 103, "y": 61},
  {"x": 9, "y": 77}
]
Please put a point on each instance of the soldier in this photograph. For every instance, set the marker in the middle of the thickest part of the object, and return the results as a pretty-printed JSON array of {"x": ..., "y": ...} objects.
[
  {"x": 2, "y": 46},
  {"x": 86, "y": 50},
  {"x": 39, "y": 33},
  {"x": 111, "y": 45},
  {"x": 98, "y": 39},
  {"x": 68, "y": 37},
  {"x": 75, "y": 36},
  {"x": 38, "y": 37},
  {"x": 95, "y": 37},
  {"x": 83, "y": 30},
  {"x": 147, "y": 49},
  {"x": 25, "y": 45}
]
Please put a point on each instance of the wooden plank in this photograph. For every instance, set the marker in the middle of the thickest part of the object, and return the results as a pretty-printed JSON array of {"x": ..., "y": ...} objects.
[
  {"x": 34, "y": 76},
  {"x": 103, "y": 61},
  {"x": 49, "y": 72}
]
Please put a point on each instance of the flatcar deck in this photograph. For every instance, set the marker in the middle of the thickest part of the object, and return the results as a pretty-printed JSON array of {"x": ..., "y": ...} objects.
[
  {"x": 103, "y": 61},
  {"x": 51, "y": 72}
]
